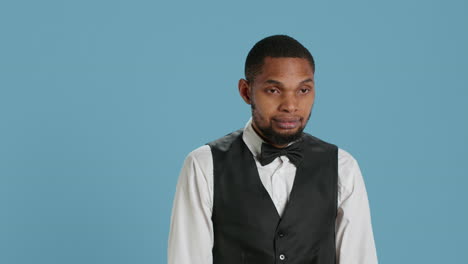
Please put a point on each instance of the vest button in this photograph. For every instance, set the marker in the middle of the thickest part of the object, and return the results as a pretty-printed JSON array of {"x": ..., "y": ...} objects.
[
  {"x": 282, "y": 256},
  {"x": 280, "y": 234}
]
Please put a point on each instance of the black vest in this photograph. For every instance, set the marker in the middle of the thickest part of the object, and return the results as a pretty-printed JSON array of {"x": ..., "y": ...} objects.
[{"x": 247, "y": 227}]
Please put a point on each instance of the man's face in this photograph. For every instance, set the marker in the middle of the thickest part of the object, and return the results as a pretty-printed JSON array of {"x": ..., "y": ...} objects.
[{"x": 281, "y": 96}]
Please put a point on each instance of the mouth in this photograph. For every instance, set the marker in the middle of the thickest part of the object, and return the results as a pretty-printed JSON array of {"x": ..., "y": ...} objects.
[{"x": 287, "y": 123}]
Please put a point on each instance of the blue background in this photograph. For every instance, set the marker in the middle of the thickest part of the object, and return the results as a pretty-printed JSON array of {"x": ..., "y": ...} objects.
[{"x": 100, "y": 102}]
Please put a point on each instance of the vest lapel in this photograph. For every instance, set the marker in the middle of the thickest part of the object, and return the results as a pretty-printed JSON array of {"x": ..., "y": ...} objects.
[{"x": 255, "y": 181}]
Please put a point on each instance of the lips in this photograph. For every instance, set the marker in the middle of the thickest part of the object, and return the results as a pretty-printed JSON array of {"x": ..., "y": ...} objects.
[{"x": 287, "y": 123}]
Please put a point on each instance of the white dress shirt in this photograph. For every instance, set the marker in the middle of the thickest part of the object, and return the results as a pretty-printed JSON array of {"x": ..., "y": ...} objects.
[{"x": 191, "y": 229}]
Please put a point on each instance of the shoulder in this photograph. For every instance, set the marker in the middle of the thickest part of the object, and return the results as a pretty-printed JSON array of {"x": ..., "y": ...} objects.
[
  {"x": 200, "y": 157},
  {"x": 320, "y": 145},
  {"x": 203, "y": 154},
  {"x": 308, "y": 137},
  {"x": 345, "y": 159},
  {"x": 349, "y": 173},
  {"x": 196, "y": 175},
  {"x": 223, "y": 143},
  {"x": 197, "y": 170}
]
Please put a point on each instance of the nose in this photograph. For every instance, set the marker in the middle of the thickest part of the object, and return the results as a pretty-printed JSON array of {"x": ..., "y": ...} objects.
[{"x": 289, "y": 103}]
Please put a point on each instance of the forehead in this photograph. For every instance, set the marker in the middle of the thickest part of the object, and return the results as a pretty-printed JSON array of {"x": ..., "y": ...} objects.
[{"x": 281, "y": 68}]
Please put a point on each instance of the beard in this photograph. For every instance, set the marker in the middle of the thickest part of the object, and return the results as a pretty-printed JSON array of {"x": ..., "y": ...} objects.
[{"x": 272, "y": 136}]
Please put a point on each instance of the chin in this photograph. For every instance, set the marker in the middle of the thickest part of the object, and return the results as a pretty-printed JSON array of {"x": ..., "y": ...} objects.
[{"x": 287, "y": 132}]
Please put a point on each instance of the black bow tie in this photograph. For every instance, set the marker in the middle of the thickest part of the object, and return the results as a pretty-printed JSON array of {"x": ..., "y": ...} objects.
[{"x": 269, "y": 153}]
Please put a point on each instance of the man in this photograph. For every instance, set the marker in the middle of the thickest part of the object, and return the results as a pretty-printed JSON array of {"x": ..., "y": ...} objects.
[{"x": 270, "y": 193}]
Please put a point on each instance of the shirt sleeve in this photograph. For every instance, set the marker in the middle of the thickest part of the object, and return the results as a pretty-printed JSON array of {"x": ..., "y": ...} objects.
[
  {"x": 354, "y": 236},
  {"x": 191, "y": 230}
]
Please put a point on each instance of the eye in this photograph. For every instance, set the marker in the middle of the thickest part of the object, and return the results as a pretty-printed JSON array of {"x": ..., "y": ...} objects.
[
  {"x": 304, "y": 90},
  {"x": 272, "y": 90}
]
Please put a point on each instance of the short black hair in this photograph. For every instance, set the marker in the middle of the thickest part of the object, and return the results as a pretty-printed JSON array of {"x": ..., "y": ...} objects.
[{"x": 276, "y": 46}]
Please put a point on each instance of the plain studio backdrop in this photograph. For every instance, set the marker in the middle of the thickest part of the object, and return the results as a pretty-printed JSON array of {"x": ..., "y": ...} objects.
[{"x": 101, "y": 101}]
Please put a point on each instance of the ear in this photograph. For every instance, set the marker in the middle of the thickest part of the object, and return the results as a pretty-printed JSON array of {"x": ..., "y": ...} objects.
[{"x": 244, "y": 90}]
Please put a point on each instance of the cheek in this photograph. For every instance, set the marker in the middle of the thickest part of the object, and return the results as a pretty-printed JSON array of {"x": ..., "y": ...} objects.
[
  {"x": 266, "y": 111},
  {"x": 307, "y": 103},
  {"x": 262, "y": 115},
  {"x": 266, "y": 105}
]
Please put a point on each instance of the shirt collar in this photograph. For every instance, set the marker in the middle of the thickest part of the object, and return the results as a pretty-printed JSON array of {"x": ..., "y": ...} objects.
[{"x": 252, "y": 139}]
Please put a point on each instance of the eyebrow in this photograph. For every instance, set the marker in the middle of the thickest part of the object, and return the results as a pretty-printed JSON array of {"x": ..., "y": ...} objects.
[
  {"x": 272, "y": 82},
  {"x": 279, "y": 83},
  {"x": 307, "y": 80}
]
